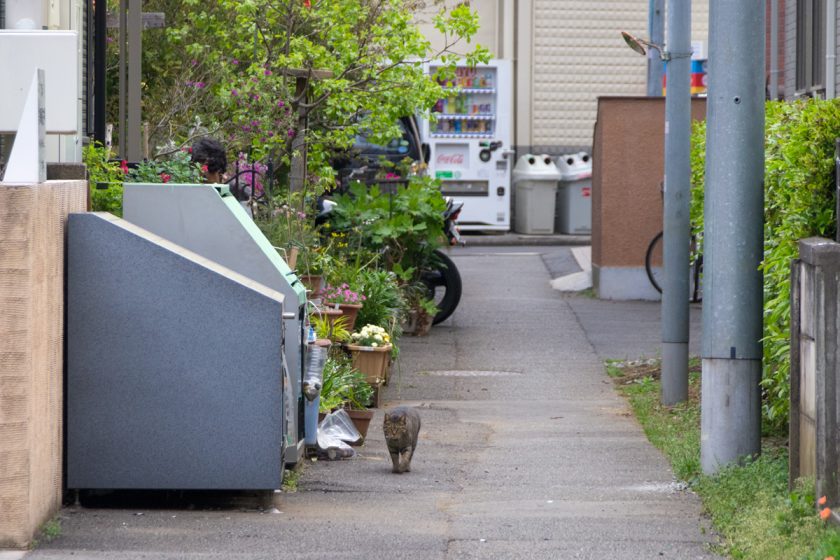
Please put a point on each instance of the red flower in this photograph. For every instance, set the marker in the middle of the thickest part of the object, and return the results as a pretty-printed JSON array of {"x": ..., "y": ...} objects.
[
  {"x": 307, "y": 4},
  {"x": 166, "y": 177},
  {"x": 204, "y": 168},
  {"x": 124, "y": 166}
]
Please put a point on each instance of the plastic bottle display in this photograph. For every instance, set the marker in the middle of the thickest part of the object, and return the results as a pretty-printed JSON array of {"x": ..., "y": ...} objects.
[{"x": 468, "y": 109}]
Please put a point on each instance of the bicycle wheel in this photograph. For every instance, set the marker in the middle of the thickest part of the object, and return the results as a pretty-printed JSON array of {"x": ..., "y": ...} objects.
[
  {"x": 653, "y": 262},
  {"x": 655, "y": 272}
]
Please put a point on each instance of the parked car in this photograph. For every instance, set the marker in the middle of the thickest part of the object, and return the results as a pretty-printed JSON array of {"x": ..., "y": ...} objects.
[{"x": 364, "y": 159}]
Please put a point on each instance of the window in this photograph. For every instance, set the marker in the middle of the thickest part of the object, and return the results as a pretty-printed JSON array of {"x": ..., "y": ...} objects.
[{"x": 810, "y": 46}]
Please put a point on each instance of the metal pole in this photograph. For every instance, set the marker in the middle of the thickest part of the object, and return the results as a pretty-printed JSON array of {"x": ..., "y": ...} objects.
[
  {"x": 676, "y": 227},
  {"x": 133, "y": 135},
  {"x": 656, "y": 30},
  {"x": 730, "y": 426},
  {"x": 100, "y": 36}
]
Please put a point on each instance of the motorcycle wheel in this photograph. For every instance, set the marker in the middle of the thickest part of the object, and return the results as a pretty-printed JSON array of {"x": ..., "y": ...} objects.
[{"x": 444, "y": 286}]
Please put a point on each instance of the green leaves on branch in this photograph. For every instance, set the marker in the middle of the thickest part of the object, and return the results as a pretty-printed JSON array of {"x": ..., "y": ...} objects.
[{"x": 798, "y": 203}]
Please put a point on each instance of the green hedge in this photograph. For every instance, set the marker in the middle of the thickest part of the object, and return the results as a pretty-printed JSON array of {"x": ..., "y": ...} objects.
[{"x": 798, "y": 203}]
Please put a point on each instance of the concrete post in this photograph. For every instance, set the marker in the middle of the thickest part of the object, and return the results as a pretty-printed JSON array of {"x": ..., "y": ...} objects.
[
  {"x": 734, "y": 202},
  {"x": 676, "y": 227}
]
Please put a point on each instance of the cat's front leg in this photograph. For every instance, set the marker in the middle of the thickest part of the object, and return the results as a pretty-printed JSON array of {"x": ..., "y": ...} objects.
[
  {"x": 405, "y": 458},
  {"x": 395, "y": 460}
]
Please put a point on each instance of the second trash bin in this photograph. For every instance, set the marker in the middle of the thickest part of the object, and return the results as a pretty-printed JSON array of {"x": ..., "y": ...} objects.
[
  {"x": 535, "y": 181},
  {"x": 574, "y": 195}
]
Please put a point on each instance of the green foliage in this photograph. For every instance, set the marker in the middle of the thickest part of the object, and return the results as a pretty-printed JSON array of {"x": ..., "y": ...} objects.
[
  {"x": 177, "y": 169},
  {"x": 335, "y": 330},
  {"x": 385, "y": 305},
  {"x": 406, "y": 227},
  {"x": 103, "y": 172},
  {"x": 343, "y": 385},
  {"x": 233, "y": 67},
  {"x": 798, "y": 203}
]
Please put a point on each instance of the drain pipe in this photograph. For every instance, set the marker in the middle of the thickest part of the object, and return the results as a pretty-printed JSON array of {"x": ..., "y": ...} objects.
[
  {"x": 774, "y": 50},
  {"x": 830, "y": 48}
]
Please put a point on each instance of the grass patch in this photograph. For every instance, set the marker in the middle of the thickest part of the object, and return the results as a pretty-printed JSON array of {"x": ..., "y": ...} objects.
[
  {"x": 750, "y": 506},
  {"x": 50, "y": 531},
  {"x": 291, "y": 478}
]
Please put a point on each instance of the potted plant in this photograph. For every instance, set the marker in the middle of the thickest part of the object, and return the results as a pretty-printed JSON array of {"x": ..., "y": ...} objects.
[
  {"x": 329, "y": 323},
  {"x": 344, "y": 387},
  {"x": 371, "y": 349},
  {"x": 343, "y": 298},
  {"x": 420, "y": 317}
]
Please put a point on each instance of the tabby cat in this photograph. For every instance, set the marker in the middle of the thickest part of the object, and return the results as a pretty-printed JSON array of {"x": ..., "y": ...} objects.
[{"x": 402, "y": 425}]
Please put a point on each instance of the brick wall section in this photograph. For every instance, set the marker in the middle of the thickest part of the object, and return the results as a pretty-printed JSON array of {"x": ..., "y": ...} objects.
[{"x": 32, "y": 221}]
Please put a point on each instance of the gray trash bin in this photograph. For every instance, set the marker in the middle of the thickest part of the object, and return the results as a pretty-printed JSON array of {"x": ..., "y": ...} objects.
[
  {"x": 535, "y": 183},
  {"x": 574, "y": 194}
]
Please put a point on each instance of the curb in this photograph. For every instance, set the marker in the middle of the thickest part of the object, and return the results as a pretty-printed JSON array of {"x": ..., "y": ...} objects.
[{"x": 515, "y": 239}]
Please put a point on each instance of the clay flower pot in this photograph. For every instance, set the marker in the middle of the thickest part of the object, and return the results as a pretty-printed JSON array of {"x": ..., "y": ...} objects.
[
  {"x": 361, "y": 419},
  {"x": 351, "y": 311},
  {"x": 371, "y": 361}
]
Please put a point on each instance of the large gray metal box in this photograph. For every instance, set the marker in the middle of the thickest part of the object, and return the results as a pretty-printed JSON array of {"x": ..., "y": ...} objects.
[{"x": 163, "y": 391}]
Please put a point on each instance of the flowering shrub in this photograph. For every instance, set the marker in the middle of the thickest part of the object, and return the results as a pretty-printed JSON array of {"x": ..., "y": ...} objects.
[
  {"x": 247, "y": 175},
  {"x": 371, "y": 335},
  {"x": 179, "y": 169},
  {"x": 341, "y": 294}
]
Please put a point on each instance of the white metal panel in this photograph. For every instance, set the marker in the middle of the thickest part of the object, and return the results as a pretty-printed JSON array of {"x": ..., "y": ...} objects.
[
  {"x": 578, "y": 55},
  {"x": 57, "y": 53}
]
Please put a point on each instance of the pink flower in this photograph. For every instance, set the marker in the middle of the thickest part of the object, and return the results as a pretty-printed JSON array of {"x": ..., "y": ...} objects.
[
  {"x": 267, "y": 72},
  {"x": 234, "y": 62},
  {"x": 234, "y": 93},
  {"x": 165, "y": 177},
  {"x": 200, "y": 85}
]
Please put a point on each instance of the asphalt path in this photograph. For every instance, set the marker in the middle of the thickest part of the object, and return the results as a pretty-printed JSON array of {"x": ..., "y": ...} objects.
[{"x": 526, "y": 451}]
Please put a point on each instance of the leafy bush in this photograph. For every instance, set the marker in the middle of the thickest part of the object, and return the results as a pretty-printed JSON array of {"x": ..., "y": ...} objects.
[
  {"x": 178, "y": 169},
  {"x": 343, "y": 385},
  {"x": 798, "y": 203},
  {"x": 102, "y": 171},
  {"x": 405, "y": 227},
  {"x": 385, "y": 305}
]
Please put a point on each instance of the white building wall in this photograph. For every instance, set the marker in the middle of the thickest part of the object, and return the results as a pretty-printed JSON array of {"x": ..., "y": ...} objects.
[{"x": 566, "y": 54}]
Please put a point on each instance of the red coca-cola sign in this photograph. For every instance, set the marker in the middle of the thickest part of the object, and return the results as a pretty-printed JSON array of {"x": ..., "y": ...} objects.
[{"x": 450, "y": 159}]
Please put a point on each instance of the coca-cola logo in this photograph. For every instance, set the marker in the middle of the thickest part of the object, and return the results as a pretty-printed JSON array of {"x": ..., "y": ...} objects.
[{"x": 450, "y": 159}]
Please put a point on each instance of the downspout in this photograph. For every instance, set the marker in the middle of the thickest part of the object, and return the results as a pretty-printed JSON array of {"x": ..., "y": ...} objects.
[
  {"x": 830, "y": 48},
  {"x": 774, "y": 49}
]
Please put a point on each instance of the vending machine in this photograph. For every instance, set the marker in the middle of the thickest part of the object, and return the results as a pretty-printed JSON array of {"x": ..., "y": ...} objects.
[{"x": 470, "y": 138}]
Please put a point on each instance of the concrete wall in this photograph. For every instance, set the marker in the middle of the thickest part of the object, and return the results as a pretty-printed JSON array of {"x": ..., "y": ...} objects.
[
  {"x": 32, "y": 224},
  {"x": 814, "y": 359},
  {"x": 628, "y": 168}
]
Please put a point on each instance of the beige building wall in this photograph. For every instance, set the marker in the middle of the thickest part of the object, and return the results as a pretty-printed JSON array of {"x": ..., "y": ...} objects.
[{"x": 566, "y": 54}]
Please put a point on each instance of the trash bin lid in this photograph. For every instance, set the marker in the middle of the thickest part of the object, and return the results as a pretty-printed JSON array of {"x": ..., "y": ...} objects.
[
  {"x": 540, "y": 167},
  {"x": 575, "y": 166}
]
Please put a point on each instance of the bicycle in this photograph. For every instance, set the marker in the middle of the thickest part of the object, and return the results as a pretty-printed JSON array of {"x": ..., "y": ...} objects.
[{"x": 654, "y": 273}]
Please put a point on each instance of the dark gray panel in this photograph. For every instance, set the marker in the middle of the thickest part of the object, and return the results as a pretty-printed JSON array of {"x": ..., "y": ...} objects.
[{"x": 174, "y": 366}]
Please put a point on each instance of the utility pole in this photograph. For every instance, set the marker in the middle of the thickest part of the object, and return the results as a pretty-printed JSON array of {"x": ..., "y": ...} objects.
[
  {"x": 656, "y": 32},
  {"x": 733, "y": 239},
  {"x": 676, "y": 226}
]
